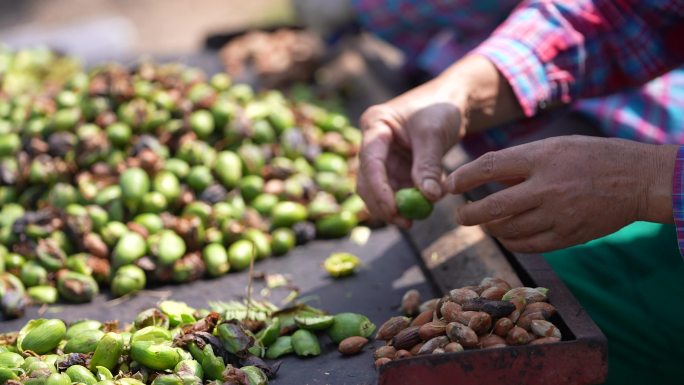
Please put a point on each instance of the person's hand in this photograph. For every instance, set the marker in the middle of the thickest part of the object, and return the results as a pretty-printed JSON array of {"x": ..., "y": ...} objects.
[
  {"x": 323, "y": 16},
  {"x": 404, "y": 141},
  {"x": 567, "y": 190}
]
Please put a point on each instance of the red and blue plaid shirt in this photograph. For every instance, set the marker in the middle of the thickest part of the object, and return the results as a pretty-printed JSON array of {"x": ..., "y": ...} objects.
[{"x": 596, "y": 56}]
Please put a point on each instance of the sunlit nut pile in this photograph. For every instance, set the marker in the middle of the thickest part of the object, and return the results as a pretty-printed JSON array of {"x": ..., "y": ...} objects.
[
  {"x": 275, "y": 59},
  {"x": 174, "y": 344},
  {"x": 489, "y": 315},
  {"x": 124, "y": 178}
]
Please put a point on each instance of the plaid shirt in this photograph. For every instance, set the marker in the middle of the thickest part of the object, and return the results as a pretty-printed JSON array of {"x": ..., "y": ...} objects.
[{"x": 558, "y": 52}]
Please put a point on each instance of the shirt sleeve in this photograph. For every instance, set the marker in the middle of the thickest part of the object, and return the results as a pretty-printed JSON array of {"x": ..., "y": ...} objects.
[
  {"x": 678, "y": 198},
  {"x": 557, "y": 51}
]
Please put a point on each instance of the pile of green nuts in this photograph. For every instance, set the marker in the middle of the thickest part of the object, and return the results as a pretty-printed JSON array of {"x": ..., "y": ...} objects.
[
  {"x": 484, "y": 316},
  {"x": 32, "y": 70},
  {"x": 171, "y": 344},
  {"x": 123, "y": 178}
]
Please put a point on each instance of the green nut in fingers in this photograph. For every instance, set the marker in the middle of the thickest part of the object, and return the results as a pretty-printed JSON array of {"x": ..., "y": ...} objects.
[
  {"x": 41, "y": 335},
  {"x": 412, "y": 204},
  {"x": 305, "y": 343},
  {"x": 155, "y": 356}
]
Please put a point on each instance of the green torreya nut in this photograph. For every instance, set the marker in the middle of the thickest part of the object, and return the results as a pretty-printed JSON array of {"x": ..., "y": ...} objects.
[
  {"x": 171, "y": 247},
  {"x": 412, "y": 204},
  {"x": 350, "y": 325},
  {"x": 264, "y": 203},
  {"x": 228, "y": 168},
  {"x": 177, "y": 167},
  {"x": 216, "y": 259},
  {"x": 7, "y": 374},
  {"x": 286, "y": 214},
  {"x": 202, "y": 122},
  {"x": 134, "y": 183},
  {"x": 324, "y": 204},
  {"x": 85, "y": 342},
  {"x": 261, "y": 241},
  {"x": 281, "y": 347},
  {"x": 127, "y": 280},
  {"x": 58, "y": 379},
  {"x": 354, "y": 204},
  {"x": 75, "y": 287},
  {"x": 152, "y": 334},
  {"x": 82, "y": 327},
  {"x": 153, "y": 202},
  {"x": 251, "y": 186},
  {"x": 65, "y": 119},
  {"x": 332, "y": 121},
  {"x": 103, "y": 374},
  {"x": 155, "y": 356},
  {"x": 151, "y": 317},
  {"x": 11, "y": 360},
  {"x": 262, "y": 132},
  {"x": 255, "y": 376},
  {"x": 167, "y": 379},
  {"x": 336, "y": 225},
  {"x": 329, "y": 162},
  {"x": 305, "y": 343},
  {"x": 108, "y": 351},
  {"x": 81, "y": 374},
  {"x": 42, "y": 294},
  {"x": 61, "y": 195},
  {"x": 33, "y": 274},
  {"x": 252, "y": 159},
  {"x": 79, "y": 263},
  {"x": 112, "y": 232},
  {"x": 200, "y": 178},
  {"x": 282, "y": 240},
  {"x": 98, "y": 216},
  {"x": 240, "y": 253},
  {"x": 128, "y": 249},
  {"x": 119, "y": 134},
  {"x": 41, "y": 335},
  {"x": 167, "y": 184},
  {"x": 341, "y": 264},
  {"x": 150, "y": 221},
  {"x": 9, "y": 144},
  {"x": 189, "y": 368}
]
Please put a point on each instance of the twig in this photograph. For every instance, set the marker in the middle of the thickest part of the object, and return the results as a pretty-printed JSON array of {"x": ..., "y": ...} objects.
[{"x": 250, "y": 279}]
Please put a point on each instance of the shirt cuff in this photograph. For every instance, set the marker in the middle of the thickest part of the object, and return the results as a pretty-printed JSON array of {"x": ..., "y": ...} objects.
[
  {"x": 520, "y": 65},
  {"x": 678, "y": 198}
]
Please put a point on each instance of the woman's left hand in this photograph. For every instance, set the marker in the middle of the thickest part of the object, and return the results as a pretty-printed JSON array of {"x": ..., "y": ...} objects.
[{"x": 567, "y": 190}]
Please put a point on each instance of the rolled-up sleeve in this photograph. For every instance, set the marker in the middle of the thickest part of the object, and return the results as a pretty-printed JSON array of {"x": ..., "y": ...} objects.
[
  {"x": 555, "y": 52},
  {"x": 678, "y": 198}
]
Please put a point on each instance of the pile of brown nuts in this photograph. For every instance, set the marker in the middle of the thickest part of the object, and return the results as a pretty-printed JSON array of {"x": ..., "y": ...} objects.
[{"x": 489, "y": 315}]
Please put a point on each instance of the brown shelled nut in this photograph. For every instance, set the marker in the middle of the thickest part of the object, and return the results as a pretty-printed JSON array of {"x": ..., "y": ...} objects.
[
  {"x": 462, "y": 334},
  {"x": 432, "y": 329},
  {"x": 450, "y": 311},
  {"x": 518, "y": 336},
  {"x": 385, "y": 352},
  {"x": 432, "y": 344},
  {"x": 494, "y": 293},
  {"x": 423, "y": 318},
  {"x": 503, "y": 326},
  {"x": 453, "y": 347},
  {"x": 352, "y": 345},
  {"x": 392, "y": 327},
  {"x": 460, "y": 296},
  {"x": 492, "y": 341},
  {"x": 410, "y": 302},
  {"x": 381, "y": 361},
  {"x": 403, "y": 354},
  {"x": 406, "y": 338}
]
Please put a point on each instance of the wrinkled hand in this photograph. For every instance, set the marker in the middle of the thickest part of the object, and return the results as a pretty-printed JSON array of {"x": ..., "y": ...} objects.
[
  {"x": 404, "y": 141},
  {"x": 567, "y": 190},
  {"x": 323, "y": 16}
]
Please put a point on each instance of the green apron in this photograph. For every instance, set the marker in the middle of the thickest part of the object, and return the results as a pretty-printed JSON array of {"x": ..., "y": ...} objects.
[{"x": 632, "y": 284}]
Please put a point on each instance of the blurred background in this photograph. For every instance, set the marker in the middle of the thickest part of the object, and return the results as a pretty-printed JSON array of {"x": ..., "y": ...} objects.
[{"x": 97, "y": 30}]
